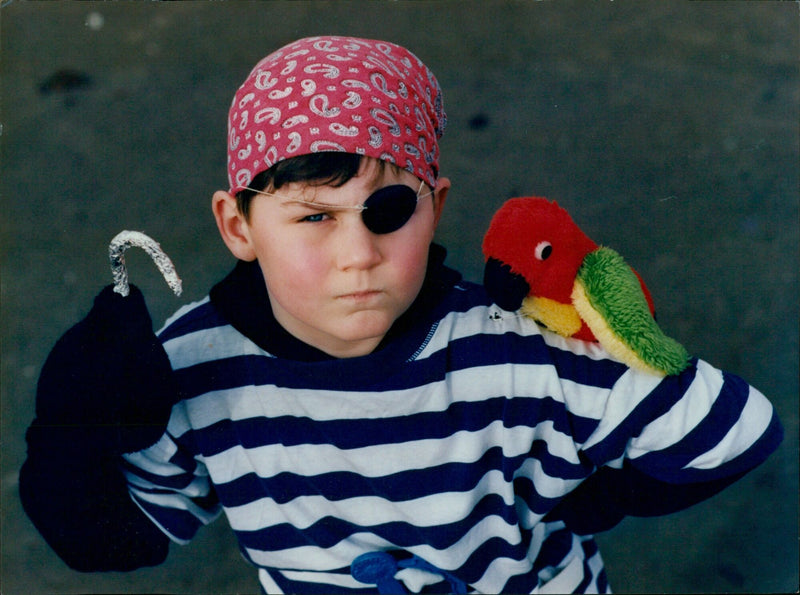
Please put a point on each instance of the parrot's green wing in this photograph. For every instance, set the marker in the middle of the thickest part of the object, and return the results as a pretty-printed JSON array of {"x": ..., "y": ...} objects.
[{"x": 609, "y": 298}]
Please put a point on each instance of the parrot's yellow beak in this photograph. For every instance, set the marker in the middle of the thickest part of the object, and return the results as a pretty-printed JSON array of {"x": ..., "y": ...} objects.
[{"x": 559, "y": 318}]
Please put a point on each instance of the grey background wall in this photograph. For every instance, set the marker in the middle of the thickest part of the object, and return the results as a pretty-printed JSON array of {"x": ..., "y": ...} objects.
[{"x": 668, "y": 129}]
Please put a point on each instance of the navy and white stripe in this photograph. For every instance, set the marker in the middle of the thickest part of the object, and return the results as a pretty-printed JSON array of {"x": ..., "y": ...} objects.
[{"x": 454, "y": 454}]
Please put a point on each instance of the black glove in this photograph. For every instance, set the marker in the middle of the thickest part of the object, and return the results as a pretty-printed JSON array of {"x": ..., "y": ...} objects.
[
  {"x": 106, "y": 388},
  {"x": 108, "y": 383},
  {"x": 609, "y": 495}
]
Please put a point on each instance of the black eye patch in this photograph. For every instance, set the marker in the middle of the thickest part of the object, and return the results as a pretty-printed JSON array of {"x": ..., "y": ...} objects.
[{"x": 388, "y": 209}]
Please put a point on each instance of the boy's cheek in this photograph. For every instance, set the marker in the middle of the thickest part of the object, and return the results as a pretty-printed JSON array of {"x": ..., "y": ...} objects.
[{"x": 410, "y": 275}]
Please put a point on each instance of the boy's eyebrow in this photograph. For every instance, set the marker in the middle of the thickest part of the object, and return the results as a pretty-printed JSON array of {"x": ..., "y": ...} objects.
[
  {"x": 309, "y": 203},
  {"x": 321, "y": 206}
]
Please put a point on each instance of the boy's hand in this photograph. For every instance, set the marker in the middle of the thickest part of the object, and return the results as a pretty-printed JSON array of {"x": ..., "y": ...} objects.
[{"x": 108, "y": 384}]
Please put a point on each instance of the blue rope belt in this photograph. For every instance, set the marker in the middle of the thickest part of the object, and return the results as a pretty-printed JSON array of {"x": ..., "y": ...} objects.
[{"x": 379, "y": 568}]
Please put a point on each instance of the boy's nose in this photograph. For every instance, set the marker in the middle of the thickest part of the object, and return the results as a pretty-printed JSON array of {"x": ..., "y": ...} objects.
[{"x": 358, "y": 247}]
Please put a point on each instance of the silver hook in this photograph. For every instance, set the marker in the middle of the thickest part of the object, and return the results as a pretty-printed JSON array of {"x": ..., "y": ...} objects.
[{"x": 116, "y": 254}]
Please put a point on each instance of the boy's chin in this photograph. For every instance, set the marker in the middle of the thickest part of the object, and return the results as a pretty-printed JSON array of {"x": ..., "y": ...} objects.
[{"x": 360, "y": 337}]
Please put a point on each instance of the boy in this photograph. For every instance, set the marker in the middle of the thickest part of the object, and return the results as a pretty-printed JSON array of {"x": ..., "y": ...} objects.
[{"x": 365, "y": 419}]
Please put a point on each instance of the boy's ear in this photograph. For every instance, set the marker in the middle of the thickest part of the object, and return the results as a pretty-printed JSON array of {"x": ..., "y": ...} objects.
[
  {"x": 232, "y": 226},
  {"x": 439, "y": 198}
]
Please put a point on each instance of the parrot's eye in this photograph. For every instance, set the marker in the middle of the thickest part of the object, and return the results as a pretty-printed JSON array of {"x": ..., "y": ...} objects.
[{"x": 543, "y": 250}]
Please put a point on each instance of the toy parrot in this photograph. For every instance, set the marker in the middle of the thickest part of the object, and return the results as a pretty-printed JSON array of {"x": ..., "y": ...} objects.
[{"x": 539, "y": 262}]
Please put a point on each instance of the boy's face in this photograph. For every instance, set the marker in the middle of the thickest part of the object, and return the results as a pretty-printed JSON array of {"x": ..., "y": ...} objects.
[{"x": 332, "y": 283}]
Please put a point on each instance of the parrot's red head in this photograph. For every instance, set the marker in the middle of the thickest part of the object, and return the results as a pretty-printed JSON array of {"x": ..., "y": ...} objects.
[{"x": 539, "y": 244}]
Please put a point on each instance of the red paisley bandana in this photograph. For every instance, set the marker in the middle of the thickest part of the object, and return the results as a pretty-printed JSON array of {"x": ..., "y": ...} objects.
[{"x": 360, "y": 96}]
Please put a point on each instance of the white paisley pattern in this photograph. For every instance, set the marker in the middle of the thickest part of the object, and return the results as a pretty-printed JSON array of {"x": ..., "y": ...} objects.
[{"x": 360, "y": 96}]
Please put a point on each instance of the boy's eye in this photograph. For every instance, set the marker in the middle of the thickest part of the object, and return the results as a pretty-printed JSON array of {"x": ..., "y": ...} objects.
[{"x": 315, "y": 218}]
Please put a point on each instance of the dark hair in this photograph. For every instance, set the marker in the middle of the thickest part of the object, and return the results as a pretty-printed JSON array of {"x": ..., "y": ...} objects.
[{"x": 320, "y": 169}]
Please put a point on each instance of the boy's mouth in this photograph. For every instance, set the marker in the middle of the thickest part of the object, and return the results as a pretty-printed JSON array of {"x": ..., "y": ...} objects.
[{"x": 361, "y": 296}]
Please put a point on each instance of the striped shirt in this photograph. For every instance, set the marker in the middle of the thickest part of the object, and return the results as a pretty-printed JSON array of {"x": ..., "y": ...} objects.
[{"x": 450, "y": 445}]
